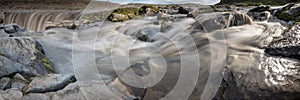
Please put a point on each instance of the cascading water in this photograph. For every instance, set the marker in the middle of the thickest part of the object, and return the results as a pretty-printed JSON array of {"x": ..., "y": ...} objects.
[
  {"x": 201, "y": 55},
  {"x": 37, "y": 20},
  {"x": 106, "y": 49}
]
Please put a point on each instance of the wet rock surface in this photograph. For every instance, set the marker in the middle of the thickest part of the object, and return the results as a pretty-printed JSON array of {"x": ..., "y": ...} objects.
[
  {"x": 261, "y": 63},
  {"x": 22, "y": 55},
  {"x": 273, "y": 78},
  {"x": 260, "y": 13},
  {"x": 288, "y": 46},
  {"x": 211, "y": 22}
]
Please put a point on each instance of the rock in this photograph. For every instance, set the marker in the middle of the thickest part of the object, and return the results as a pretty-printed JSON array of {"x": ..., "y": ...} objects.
[
  {"x": 123, "y": 14},
  {"x": 11, "y": 94},
  {"x": 49, "y": 83},
  {"x": 260, "y": 13},
  {"x": 39, "y": 96},
  {"x": 19, "y": 85},
  {"x": 260, "y": 9},
  {"x": 214, "y": 21},
  {"x": 94, "y": 90},
  {"x": 1, "y": 21},
  {"x": 149, "y": 10},
  {"x": 182, "y": 10},
  {"x": 289, "y": 46},
  {"x": 5, "y": 83},
  {"x": 63, "y": 24},
  {"x": 273, "y": 78},
  {"x": 19, "y": 82},
  {"x": 118, "y": 17},
  {"x": 22, "y": 55},
  {"x": 289, "y": 12},
  {"x": 20, "y": 77},
  {"x": 13, "y": 28}
]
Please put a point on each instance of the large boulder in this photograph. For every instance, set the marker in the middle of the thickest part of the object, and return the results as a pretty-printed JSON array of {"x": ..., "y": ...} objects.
[{"x": 22, "y": 55}]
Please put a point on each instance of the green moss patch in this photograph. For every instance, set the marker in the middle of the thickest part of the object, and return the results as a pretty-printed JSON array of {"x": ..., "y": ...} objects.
[
  {"x": 47, "y": 64},
  {"x": 284, "y": 15}
]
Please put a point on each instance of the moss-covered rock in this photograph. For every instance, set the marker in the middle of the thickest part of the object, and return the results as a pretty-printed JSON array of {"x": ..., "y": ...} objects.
[
  {"x": 47, "y": 64},
  {"x": 290, "y": 12},
  {"x": 148, "y": 10},
  {"x": 122, "y": 14}
]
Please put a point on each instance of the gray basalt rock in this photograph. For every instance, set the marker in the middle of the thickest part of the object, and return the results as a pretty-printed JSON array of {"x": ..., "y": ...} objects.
[{"x": 22, "y": 55}]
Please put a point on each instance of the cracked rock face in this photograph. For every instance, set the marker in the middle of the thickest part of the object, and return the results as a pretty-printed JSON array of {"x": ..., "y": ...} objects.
[{"x": 22, "y": 55}]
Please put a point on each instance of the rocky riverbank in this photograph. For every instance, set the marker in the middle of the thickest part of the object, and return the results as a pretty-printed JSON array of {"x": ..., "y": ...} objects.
[{"x": 214, "y": 52}]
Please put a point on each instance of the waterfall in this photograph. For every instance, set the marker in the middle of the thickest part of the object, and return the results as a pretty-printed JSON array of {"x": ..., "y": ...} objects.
[{"x": 36, "y": 21}]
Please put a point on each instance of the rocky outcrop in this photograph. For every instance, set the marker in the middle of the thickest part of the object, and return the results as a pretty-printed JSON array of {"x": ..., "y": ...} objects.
[{"x": 22, "y": 55}]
